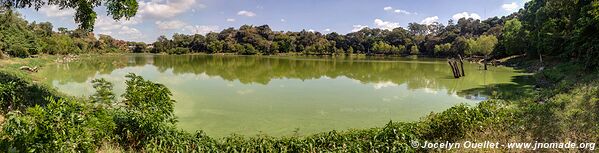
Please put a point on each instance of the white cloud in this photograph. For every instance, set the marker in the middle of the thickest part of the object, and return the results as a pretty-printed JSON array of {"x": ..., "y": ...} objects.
[
  {"x": 119, "y": 29},
  {"x": 310, "y": 30},
  {"x": 230, "y": 20},
  {"x": 170, "y": 25},
  {"x": 358, "y": 28},
  {"x": 430, "y": 20},
  {"x": 510, "y": 7},
  {"x": 55, "y": 11},
  {"x": 125, "y": 30},
  {"x": 283, "y": 20},
  {"x": 385, "y": 24},
  {"x": 202, "y": 29},
  {"x": 327, "y": 30},
  {"x": 466, "y": 15},
  {"x": 400, "y": 11},
  {"x": 164, "y": 10},
  {"x": 107, "y": 23},
  {"x": 246, "y": 13}
]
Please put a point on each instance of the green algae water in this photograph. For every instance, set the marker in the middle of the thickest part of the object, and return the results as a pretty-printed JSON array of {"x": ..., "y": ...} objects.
[{"x": 283, "y": 96}]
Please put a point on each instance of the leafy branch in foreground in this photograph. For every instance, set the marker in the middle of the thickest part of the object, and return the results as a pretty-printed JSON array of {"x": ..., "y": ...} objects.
[
  {"x": 85, "y": 15},
  {"x": 103, "y": 93}
]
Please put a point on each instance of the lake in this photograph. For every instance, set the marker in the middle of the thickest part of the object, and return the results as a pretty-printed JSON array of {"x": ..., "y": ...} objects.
[{"x": 282, "y": 96}]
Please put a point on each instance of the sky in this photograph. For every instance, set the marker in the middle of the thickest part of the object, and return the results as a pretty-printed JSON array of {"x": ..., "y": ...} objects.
[{"x": 166, "y": 17}]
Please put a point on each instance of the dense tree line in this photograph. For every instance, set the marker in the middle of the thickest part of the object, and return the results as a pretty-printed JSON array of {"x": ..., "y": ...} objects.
[
  {"x": 568, "y": 29},
  {"x": 19, "y": 38},
  {"x": 417, "y": 39},
  {"x": 543, "y": 28}
]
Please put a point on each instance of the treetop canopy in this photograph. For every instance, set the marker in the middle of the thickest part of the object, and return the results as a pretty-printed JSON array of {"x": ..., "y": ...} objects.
[{"x": 85, "y": 15}]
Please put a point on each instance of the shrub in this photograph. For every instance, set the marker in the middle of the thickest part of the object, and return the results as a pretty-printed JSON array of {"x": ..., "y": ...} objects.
[
  {"x": 414, "y": 50},
  {"x": 455, "y": 122},
  {"x": 148, "y": 111},
  {"x": 64, "y": 125},
  {"x": 18, "y": 94},
  {"x": 103, "y": 93}
]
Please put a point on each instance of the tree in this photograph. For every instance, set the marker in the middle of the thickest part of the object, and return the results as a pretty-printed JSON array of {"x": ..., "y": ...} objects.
[
  {"x": 400, "y": 49},
  {"x": 249, "y": 50},
  {"x": 215, "y": 46},
  {"x": 418, "y": 29},
  {"x": 162, "y": 44},
  {"x": 442, "y": 49},
  {"x": 484, "y": 45},
  {"x": 85, "y": 15},
  {"x": 514, "y": 37},
  {"x": 383, "y": 48},
  {"x": 414, "y": 50},
  {"x": 137, "y": 47},
  {"x": 350, "y": 50}
]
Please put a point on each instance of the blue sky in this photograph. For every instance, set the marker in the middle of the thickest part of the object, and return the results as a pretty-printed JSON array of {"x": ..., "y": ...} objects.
[{"x": 165, "y": 17}]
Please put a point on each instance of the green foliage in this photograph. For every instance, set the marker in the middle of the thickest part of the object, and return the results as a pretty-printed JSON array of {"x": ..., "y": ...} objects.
[
  {"x": 16, "y": 40},
  {"x": 484, "y": 45},
  {"x": 414, "y": 50},
  {"x": 63, "y": 125},
  {"x": 61, "y": 44},
  {"x": 18, "y": 94},
  {"x": 514, "y": 37},
  {"x": 215, "y": 47},
  {"x": 178, "y": 50},
  {"x": 384, "y": 48},
  {"x": 148, "y": 100},
  {"x": 103, "y": 93},
  {"x": 138, "y": 47},
  {"x": 566, "y": 28},
  {"x": 442, "y": 49},
  {"x": 248, "y": 50},
  {"x": 455, "y": 123},
  {"x": 8, "y": 94},
  {"x": 149, "y": 110},
  {"x": 85, "y": 14},
  {"x": 20, "y": 39},
  {"x": 365, "y": 41},
  {"x": 350, "y": 50}
]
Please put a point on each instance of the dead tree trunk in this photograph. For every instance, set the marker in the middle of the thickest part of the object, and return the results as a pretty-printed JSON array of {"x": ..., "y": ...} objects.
[
  {"x": 455, "y": 68},
  {"x": 462, "y": 65},
  {"x": 485, "y": 61},
  {"x": 455, "y": 75}
]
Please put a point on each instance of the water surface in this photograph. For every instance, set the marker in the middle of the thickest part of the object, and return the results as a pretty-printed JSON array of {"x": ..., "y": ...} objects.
[{"x": 249, "y": 95}]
